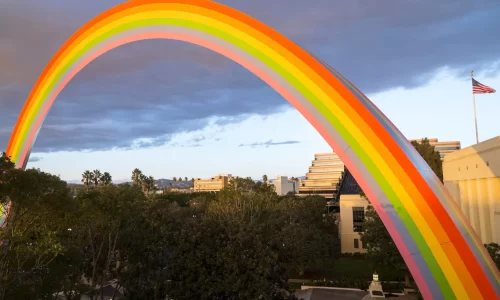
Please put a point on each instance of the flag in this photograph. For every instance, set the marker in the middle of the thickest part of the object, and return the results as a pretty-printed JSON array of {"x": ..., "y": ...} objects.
[{"x": 479, "y": 88}]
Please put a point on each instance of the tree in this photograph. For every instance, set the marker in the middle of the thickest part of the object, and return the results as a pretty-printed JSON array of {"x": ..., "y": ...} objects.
[
  {"x": 430, "y": 155},
  {"x": 264, "y": 178},
  {"x": 106, "y": 179},
  {"x": 185, "y": 179},
  {"x": 175, "y": 179},
  {"x": 40, "y": 213},
  {"x": 136, "y": 176},
  {"x": 180, "y": 179},
  {"x": 494, "y": 251},
  {"x": 96, "y": 176},
  {"x": 87, "y": 178}
]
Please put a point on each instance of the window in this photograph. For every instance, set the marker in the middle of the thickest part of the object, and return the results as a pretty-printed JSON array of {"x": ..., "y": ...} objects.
[
  {"x": 356, "y": 243},
  {"x": 447, "y": 148},
  {"x": 358, "y": 217}
]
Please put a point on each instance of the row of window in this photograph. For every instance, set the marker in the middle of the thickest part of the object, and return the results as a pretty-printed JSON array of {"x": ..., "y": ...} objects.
[{"x": 447, "y": 148}]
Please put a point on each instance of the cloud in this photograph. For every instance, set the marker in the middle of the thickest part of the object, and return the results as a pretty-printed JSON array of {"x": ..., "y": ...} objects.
[
  {"x": 268, "y": 144},
  {"x": 35, "y": 159},
  {"x": 143, "y": 94}
]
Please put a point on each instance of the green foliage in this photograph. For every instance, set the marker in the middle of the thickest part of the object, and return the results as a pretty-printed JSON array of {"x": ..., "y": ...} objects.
[
  {"x": 494, "y": 251},
  {"x": 430, "y": 155},
  {"x": 240, "y": 243}
]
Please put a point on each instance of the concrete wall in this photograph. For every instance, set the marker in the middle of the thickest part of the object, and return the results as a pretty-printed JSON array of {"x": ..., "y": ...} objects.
[
  {"x": 346, "y": 227},
  {"x": 472, "y": 176}
]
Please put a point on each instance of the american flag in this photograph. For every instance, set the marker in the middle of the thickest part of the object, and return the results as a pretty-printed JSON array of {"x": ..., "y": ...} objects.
[{"x": 479, "y": 88}]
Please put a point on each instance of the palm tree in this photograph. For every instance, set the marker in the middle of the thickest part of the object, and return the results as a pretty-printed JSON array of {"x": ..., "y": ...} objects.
[
  {"x": 185, "y": 179},
  {"x": 147, "y": 182},
  {"x": 264, "y": 178},
  {"x": 96, "y": 176},
  {"x": 192, "y": 180},
  {"x": 151, "y": 184},
  {"x": 87, "y": 178},
  {"x": 175, "y": 178},
  {"x": 136, "y": 176},
  {"x": 180, "y": 179},
  {"x": 106, "y": 178},
  {"x": 143, "y": 181}
]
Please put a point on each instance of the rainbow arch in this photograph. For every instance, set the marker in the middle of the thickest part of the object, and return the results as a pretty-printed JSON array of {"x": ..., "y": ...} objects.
[{"x": 443, "y": 253}]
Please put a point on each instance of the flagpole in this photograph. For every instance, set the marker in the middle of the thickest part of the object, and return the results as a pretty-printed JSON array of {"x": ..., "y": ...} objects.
[{"x": 474, "y": 101}]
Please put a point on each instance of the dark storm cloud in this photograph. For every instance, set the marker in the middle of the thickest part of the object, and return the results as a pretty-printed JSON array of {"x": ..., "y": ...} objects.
[
  {"x": 141, "y": 94},
  {"x": 269, "y": 144}
]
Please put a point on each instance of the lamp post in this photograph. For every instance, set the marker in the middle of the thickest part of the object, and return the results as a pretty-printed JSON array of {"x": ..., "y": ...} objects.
[{"x": 375, "y": 288}]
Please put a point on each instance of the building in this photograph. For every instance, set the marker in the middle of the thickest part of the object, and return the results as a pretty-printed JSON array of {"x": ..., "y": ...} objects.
[
  {"x": 213, "y": 184},
  {"x": 444, "y": 148},
  {"x": 472, "y": 176},
  {"x": 284, "y": 185},
  {"x": 323, "y": 176},
  {"x": 352, "y": 215}
]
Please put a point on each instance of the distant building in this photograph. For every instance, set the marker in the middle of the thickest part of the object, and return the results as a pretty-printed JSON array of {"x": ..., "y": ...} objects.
[
  {"x": 181, "y": 190},
  {"x": 284, "y": 185},
  {"x": 213, "y": 184},
  {"x": 472, "y": 176},
  {"x": 444, "y": 148},
  {"x": 323, "y": 176}
]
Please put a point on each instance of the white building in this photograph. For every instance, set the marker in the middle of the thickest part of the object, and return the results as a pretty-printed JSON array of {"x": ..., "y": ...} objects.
[{"x": 284, "y": 185}]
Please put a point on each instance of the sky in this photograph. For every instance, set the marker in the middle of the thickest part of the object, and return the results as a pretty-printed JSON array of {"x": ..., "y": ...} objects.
[{"x": 174, "y": 109}]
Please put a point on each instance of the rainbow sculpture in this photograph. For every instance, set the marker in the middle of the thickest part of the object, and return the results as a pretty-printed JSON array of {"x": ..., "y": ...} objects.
[{"x": 443, "y": 253}]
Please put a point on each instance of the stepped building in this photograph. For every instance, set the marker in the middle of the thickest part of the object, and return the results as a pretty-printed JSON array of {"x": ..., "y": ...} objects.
[{"x": 323, "y": 177}]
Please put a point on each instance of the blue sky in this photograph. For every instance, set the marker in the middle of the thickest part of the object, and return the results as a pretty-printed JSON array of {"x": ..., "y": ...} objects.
[{"x": 172, "y": 109}]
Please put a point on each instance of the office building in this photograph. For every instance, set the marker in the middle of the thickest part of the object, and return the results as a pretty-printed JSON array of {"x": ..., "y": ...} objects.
[
  {"x": 324, "y": 174},
  {"x": 284, "y": 185},
  {"x": 352, "y": 215},
  {"x": 213, "y": 184},
  {"x": 472, "y": 176},
  {"x": 444, "y": 148}
]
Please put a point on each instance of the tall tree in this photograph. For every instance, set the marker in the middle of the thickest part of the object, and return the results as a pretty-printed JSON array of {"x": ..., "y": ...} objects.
[
  {"x": 87, "y": 177},
  {"x": 430, "y": 155},
  {"x": 96, "y": 176},
  {"x": 175, "y": 179},
  {"x": 180, "y": 179},
  {"x": 40, "y": 213},
  {"x": 106, "y": 179},
  {"x": 136, "y": 176},
  {"x": 185, "y": 179},
  {"x": 264, "y": 178}
]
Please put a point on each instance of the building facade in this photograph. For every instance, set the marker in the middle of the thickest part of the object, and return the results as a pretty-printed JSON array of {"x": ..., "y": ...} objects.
[
  {"x": 444, "y": 148},
  {"x": 214, "y": 184},
  {"x": 352, "y": 215},
  {"x": 472, "y": 176},
  {"x": 284, "y": 185},
  {"x": 324, "y": 174}
]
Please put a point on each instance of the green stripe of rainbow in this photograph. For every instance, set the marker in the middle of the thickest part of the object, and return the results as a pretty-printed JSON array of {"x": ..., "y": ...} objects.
[{"x": 443, "y": 253}]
